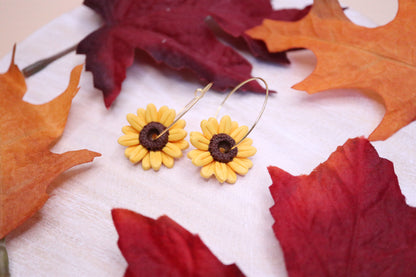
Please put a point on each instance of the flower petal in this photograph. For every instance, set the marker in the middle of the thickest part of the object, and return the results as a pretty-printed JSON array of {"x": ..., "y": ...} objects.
[
  {"x": 208, "y": 170},
  {"x": 138, "y": 154},
  {"x": 135, "y": 121},
  {"x": 234, "y": 125},
  {"x": 129, "y": 150},
  {"x": 176, "y": 134},
  {"x": 202, "y": 159},
  {"x": 172, "y": 150},
  {"x": 207, "y": 133},
  {"x": 146, "y": 162},
  {"x": 141, "y": 113},
  {"x": 180, "y": 124},
  {"x": 155, "y": 160},
  {"x": 246, "y": 142},
  {"x": 213, "y": 125},
  {"x": 167, "y": 160},
  {"x": 182, "y": 144},
  {"x": 225, "y": 125},
  {"x": 199, "y": 141},
  {"x": 232, "y": 177},
  {"x": 221, "y": 171},
  {"x": 151, "y": 113},
  {"x": 239, "y": 133},
  {"x": 246, "y": 151},
  {"x": 245, "y": 162},
  {"x": 193, "y": 153},
  {"x": 129, "y": 130},
  {"x": 161, "y": 112},
  {"x": 168, "y": 117},
  {"x": 129, "y": 140},
  {"x": 238, "y": 166}
]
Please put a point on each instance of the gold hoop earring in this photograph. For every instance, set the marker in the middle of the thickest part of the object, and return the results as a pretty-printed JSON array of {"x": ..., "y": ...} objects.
[
  {"x": 223, "y": 149},
  {"x": 155, "y": 137}
]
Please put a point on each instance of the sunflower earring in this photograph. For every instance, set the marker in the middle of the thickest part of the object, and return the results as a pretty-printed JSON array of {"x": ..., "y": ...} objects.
[
  {"x": 155, "y": 137},
  {"x": 223, "y": 148}
]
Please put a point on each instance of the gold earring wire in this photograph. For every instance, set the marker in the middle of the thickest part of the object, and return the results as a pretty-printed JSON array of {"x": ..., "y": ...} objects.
[
  {"x": 187, "y": 107},
  {"x": 261, "y": 111}
]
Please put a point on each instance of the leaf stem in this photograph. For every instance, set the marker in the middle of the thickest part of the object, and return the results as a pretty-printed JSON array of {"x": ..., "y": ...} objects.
[
  {"x": 4, "y": 260},
  {"x": 41, "y": 64}
]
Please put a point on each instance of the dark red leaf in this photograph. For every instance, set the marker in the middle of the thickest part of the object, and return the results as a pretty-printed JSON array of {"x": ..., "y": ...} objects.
[
  {"x": 347, "y": 218},
  {"x": 176, "y": 33},
  {"x": 163, "y": 248}
]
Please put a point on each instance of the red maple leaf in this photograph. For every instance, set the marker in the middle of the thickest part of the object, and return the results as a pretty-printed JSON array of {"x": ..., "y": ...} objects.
[
  {"x": 176, "y": 33},
  {"x": 347, "y": 218},
  {"x": 163, "y": 248}
]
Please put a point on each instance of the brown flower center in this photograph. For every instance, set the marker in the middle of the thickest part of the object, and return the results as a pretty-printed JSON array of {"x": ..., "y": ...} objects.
[
  {"x": 148, "y": 136},
  {"x": 221, "y": 148}
]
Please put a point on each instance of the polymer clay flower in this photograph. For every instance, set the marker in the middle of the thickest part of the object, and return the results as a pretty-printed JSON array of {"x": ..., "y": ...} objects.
[
  {"x": 143, "y": 143},
  {"x": 215, "y": 152}
]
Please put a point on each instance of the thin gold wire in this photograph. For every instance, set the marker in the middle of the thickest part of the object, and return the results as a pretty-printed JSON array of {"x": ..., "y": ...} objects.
[
  {"x": 199, "y": 93},
  {"x": 261, "y": 111}
]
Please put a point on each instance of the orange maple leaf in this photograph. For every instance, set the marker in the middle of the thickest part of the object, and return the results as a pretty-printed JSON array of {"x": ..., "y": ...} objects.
[
  {"x": 381, "y": 60},
  {"x": 27, "y": 132}
]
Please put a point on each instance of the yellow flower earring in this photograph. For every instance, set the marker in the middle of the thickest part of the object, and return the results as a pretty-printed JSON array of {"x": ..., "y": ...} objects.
[
  {"x": 155, "y": 137},
  {"x": 223, "y": 148}
]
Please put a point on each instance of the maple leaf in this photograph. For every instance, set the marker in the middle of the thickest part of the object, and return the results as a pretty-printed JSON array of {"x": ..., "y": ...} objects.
[
  {"x": 347, "y": 218},
  {"x": 176, "y": 33},
  {"x": 27, "y": 132},
  {"x": 379, "y": 59},
  {"x": 163, "y": 248}
]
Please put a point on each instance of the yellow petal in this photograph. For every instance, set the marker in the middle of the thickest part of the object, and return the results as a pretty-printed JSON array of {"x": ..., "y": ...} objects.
[
  {"x": 239, "y": 133},
  {"x": 193, "y": 153},
  {"x": 246, "y": 142},
  {"x": 180, "y": 124},
  {"x": 168, "y": 117},
  {"x": 246, "y": 151},
  {"x": 167, "y": 160},
  {"x": 135, "y": 122},
  {"x": 141, "y": 113},
  {"x": 129, "y": 140},
  {"x": 199, "y": 141},
  {"x": 138, "y": 154},
  {"x": 161, "y": 112},
  {"x": 238, "y": 166},
  {"x": 129, "y": 130},
  {"x": 182, "y": 144},
  {"x": 207, "y": 133},
  {"x": 146, "y": 162},
  {"x": 232, "y": 177},
  {"x": 202, "y": 159},
  {"x": 176, "y": 134},
  {"x": 225, "y": 125},
  {"x": 234, "y": 125},
  {"x": 151, "y": 113},
  {"x": 172, "y": 150},
  {"x": 221, "y": 171},
  {"x": 208, "y": 170},
  {"x": 129, "y": 150},
  {"x": 245, "y": 162},
  {"x": 213, "y": 125},
  {"x": 155, "y": 160}
]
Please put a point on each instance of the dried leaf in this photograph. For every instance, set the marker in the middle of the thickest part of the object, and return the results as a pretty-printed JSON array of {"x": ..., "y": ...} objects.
[
  {"x": 163, "y": 248},
  {"x": 27, "y": 166},
  {"x": 380, "y": 60},
  {"x": 177, "y": 34},
  {"x": 347, "y": 218}
]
